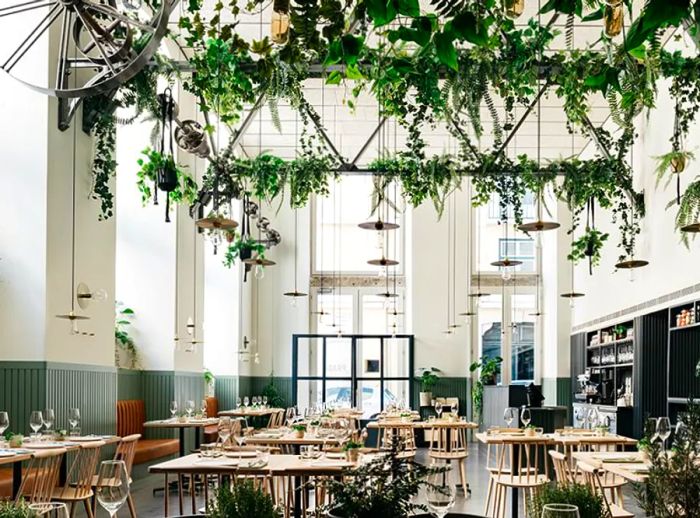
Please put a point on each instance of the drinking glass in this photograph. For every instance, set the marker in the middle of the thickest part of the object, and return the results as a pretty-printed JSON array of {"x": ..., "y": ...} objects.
[
  {"x": 239, "y": 434},
  {"x": 36, "y": 421},
  {"x": 4, "y": 422},
  {"x": 173, "y": 409},
  {"x": 663, "y": 430},
  {"x": 593, "y": 417},
  {"x": 224, "y": 429},
  {"x": 203, "y": 408},
  {"x": 560, "y": 511},
  {"x": 650, "y": 429},
  {"x": 48, "y": 509},
  {"x": 438, "y": 409},
  {"x": 525, "y": 416},
  {"x": 509, "y": 415},
  {"x": 49, "y": 419},
  {"x": 264, "y": 401},
  {"x": 454, "y": 407},
  {"x": 74, "y": 419},
  {"x": 440, "y": 494},
  {"x": 112, "y": 487},
  {"x": 238, "y": 402},
  {"x": 189, "y": 407},
  {"x": 246, "y": 401}
]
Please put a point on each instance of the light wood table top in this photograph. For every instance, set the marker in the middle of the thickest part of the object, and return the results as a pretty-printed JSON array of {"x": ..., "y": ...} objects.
[
  {"x": 578, "y": 438},
  {"x": 250, "y": 412},
  {"x": 190, "y": 423},
  {"x": 277, "y": 465},
  {"x": 290, "y": 438},
  {"x": 423, "y": 425},
  {"x": 634, "y": 468},
  {"x": 27, "y": 450}
]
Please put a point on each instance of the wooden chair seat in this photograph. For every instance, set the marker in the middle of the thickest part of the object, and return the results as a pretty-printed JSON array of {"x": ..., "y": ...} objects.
[
  {"x": 71, "y": 494},
  {"x": 523, "y": 482},
  {"x": 618, "y": 512},
  {"x": 448, "y": 455}
]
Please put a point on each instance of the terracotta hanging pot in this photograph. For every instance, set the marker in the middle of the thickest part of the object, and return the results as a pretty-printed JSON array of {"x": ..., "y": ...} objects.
[
  {"x": 678, "y": 163},
  {"x": 614, "y": 18},
  {"x": 514, "y": 8}
]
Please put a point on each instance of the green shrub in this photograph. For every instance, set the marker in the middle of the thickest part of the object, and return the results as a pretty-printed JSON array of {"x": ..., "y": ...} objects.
[
  {"x": 242, "y": 500},
  {"x": 590, "y": 505}
]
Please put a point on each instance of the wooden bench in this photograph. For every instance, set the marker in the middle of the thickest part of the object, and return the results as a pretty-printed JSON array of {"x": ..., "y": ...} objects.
[{"x": 131, "y": 414}]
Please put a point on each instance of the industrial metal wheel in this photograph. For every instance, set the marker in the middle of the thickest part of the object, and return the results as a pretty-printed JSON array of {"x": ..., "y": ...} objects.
[{"x": 96, "y": 45}]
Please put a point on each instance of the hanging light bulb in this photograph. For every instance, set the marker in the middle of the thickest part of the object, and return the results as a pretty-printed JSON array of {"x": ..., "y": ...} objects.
[
  {"x": 279, "y": 26},
  {"x": 256, "y": 358},
  {"x": 293, "y": 301},
  {"x": 506, "y": 274},
  {"x": 74, "y": 327},
  {"x": 259, "y": 272},
  {"x": 340, "y": 332}
]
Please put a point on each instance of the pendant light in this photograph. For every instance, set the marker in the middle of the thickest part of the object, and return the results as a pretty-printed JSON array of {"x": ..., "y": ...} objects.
[
  {"x": 72, "y": 316},
  {"x": 176, "y": 337},
  {"x": 294, "y": 295},
  {"x": 394, "y": 314},
  {"x": 191, "y": 326},
  {"x": 449, "y": 330},
  {"x": 454, "y": 324},
  {"x": 469, "y": 312},
  {"x": 477, "y": 226},
  {"x": 538, "y": 311},
  {"x": 631, "y": 263},
  {"x": 573, "y": 294},
  {"x": 506, "y": 263}
]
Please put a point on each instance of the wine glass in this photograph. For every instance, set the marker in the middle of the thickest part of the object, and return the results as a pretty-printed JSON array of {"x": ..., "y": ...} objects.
[
  {"x": 48, "y": 509},
  {"x": 440, "y": 494},
  {"x": 112, "y": 487},
  {"x": 438, "y": 409},
  {"x": 454, "y": 407},
  {"x": 525, "y": 416},
  {"x": 663, "y": 430},
  {"x": 49, "y": 419},
  {"x": 74, "y": 419},
  {"x": 224, "y": 429},
  {"x": 264, "y": 401},
  {"x": 560, "y": 511},
  {"x": 189, "y": 408},
  {"x": 239, "y": 432},
  {"x": 4, "y": 422},
  {"x": 246, "y": 401},
  {"x": 173, "y": 409},
  {"x": 203, "y": 408},
  {"x": 509, "y": 415},
  {"x": 36, "y": 421},
  {"x": 593, "y": 417},
  {"x": 238, "y": 402}
]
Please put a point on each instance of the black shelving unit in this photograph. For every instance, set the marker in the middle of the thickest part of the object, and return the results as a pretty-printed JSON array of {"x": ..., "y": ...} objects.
[
  {"x": 609, "y": 357},
  {"x": 683, "y": 355}
]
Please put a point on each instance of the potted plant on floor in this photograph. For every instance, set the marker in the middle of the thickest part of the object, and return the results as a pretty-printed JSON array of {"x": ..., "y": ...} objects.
[
  {"x": 385, "y": 486},
  {"x": 489, "y": 369},
  {"x": 242, "y": 500},
  {"x": 428, "y": 379},
  {"x": 589, "y": 503},
  {"x": 15, "y": 510}
]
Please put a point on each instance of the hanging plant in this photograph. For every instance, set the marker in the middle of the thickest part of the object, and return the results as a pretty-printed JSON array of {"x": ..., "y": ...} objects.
[
  {"x": 104, "y": 165},
  {"x": 688, "y": 210},
  {"x": 185, "y": 190},
  {"x": 248, "y": 247},
  {"x": 589, "y": 245}
]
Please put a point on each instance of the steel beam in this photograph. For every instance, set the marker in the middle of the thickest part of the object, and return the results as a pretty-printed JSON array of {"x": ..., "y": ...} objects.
[
  {"x": 364, "y": 147},
  {"x": 522, "y": 119}
]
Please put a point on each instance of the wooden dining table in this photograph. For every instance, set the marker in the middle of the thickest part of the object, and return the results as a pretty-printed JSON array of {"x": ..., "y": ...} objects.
[
  {"x": 196, "y": 424},
  {"x": 250, "y": 412},
  {"x": 27, "y": 450},
  {"x": 286, "y": 438},
  {"x": 630, "y": 465}
]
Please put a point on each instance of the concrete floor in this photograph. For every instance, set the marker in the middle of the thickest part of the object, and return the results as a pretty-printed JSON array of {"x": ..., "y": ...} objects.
[{"x": 148, "y": 505}]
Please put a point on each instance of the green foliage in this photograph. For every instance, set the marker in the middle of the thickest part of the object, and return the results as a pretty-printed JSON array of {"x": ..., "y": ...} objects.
[
  {"x": 274, "y": 398},
  {"x": 18, "y": 510},
  {"x": 240, "y": 244},
  {"x": 352, "y": 445},
  {"x": 589, "y": 503},
  {"x": 209, "y": 377},
  {"x": 588, "y": 245},
  {"x": 672, "y": 489},
  {"x": 669, "y": 162},
  {"x": 299, "y": 427},
  {"x": 688, "y": 210},
  {"x": 104, "y": 165},
  {"x": 489, "y": 369},
  {"x": 122, "y": 337},
  {"x": 242, "y": 500},
  {"x": 385, "y": 486},
  {"x": 428, "y": 378},
  {"x": 186, "y": 190}
]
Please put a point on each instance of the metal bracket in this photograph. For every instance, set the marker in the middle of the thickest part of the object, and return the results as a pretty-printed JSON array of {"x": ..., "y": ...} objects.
[{"x": 353, "y": 164}]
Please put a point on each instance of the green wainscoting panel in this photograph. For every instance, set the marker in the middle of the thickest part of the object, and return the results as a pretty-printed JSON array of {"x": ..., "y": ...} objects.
[
  {"x": 254, "y": 385},
  {"x": 245, "y": 386},
  {"x": 226, "y": 391},
  {"x": 90, "y": 388},
  {"x": 447, "y": 387},
  {"x": 22, "y": 389},
  {"x": 189, "y": 386},
  {"x": 129, "y": 384},
  {"x": 158, "y": 392}
]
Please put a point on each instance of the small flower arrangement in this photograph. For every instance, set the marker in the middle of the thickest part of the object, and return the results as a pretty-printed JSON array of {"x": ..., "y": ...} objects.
[{"x": 352, "y": 450}]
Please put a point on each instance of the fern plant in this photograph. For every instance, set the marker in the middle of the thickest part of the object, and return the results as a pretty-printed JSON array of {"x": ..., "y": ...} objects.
[
  {"x": 672, "y": 162},
  {"x": 688, "y": 209},
  {"x": 242, "y": 500}
]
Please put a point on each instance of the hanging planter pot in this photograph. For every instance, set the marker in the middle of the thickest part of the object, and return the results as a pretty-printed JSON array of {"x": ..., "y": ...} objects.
[
  {"x": 279, "y": 23},
  {"x": 613, "y": 17},
  {"x": 514, "y": 8},
  {"x": 678, "y": 163}
]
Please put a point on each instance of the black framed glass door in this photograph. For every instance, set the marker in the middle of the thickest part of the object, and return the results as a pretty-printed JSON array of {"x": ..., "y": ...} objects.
[{"x": 369, "y": 372}]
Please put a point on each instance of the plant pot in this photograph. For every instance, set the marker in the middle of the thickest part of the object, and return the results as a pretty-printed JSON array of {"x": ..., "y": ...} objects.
[
  {"x": 678, "y": 164},
  {"x": 352, "y": 455},
  {"x": 426, "y": 399},
  {"x": 613, "y": 18},
  {"x": 16, "y": 441},
  {"x": 299, "y": 434},
  {"x": 514, "y": 8},
  {"x": 529, "y": 432}
]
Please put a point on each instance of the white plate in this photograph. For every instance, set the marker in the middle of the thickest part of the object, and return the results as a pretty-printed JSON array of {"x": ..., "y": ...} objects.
[
  {"x": 240, "y": 454},
  {"x": 86, "y": 438},
  {"x": 6, "y": 453},
  {"x": 335, "y": 455}
]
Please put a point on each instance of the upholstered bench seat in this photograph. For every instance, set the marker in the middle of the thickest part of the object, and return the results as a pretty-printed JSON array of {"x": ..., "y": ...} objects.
[
  {"x": 5, "y": 483},
  {"x": 211, "y": 433},
  {"x": 131, "y": 414}
]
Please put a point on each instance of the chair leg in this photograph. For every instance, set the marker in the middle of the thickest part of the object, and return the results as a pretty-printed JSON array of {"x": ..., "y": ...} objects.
[
  {"x": 88, "y": 508},
  {"x": 489, "y": 495},
  {"x": 463, "y": 477},
  {"x": 72, "y": 509},
  {"x": 132, "y": 507}
]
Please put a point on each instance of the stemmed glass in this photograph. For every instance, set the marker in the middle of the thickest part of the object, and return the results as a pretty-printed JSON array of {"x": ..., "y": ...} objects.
[
  {"x": 509, "y": 415},
  {"x": 239, "y": 434},
  {"x": 112, "y": 487},
  {"x": 224, "y": 429},
  {"x": 48, "y": 509},
  {"x": 49, "y": 419},
  {"x": 189, "y": 408},
  {"x": 238, "y": 402},
  {"x": 246, "y": 401},
  {"x": 173, "y": 409},
  {"x": 74, "y": 420},
  {"x": 36, "y": 421},
  {"x": 438, "y": 409},
  {"x": 560, "y": 511},
  {"x": 525, "y": 416},
  {"x": 593, "y": 417},
  {"x": 454, "y": 407},
  {"x": 203, "y": 408},
  {"x": 4, "y": 422},
  {"x": 663, "y": 430},
  {"x": 440, "y": 494},
  {"x": 264, "y": 401}
]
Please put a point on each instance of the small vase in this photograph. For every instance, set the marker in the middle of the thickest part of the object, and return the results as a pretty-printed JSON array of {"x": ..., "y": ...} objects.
[
  {"x": 16, "y": 441},
  {"x": 514, "y": 8},
  {"x": 426, "y": 399},
  {"x": 352, "y": 455},
  {"x": 613, "y": 17},
  {"x": 299, "y": 434}
]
